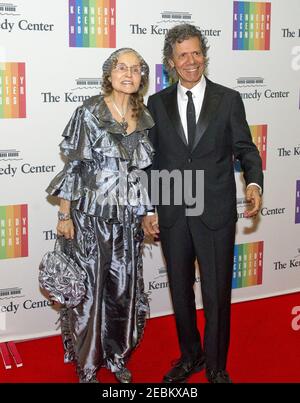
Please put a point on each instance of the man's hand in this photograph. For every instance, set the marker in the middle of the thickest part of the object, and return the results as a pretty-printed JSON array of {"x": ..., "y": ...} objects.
[
  {"x": 150, "y": 225},
  {"x": 253, "y": 196}
]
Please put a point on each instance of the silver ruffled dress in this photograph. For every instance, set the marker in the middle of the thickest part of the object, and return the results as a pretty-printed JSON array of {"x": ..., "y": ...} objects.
[{"x": 102, "y": 179}]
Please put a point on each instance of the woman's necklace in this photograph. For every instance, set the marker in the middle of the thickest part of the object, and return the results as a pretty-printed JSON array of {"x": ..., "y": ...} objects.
[{"x": 124, "y": 122}]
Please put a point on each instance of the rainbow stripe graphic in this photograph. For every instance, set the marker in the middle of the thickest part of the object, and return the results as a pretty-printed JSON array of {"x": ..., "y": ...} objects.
[
  {"x": 92, "y": 23},
  {"x": 248, "y": 264},
  {"x": 251, "y": 25},
  {"x": 162, "y": 80},
  {"x": 297, "y": 210},
  {"x": 12, "y": 90},
  {"x": 259, "y": 137},
  {"x": 13, "y": 231}
]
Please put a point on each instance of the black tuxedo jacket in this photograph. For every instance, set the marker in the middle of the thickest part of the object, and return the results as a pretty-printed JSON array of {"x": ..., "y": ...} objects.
[{"x": 222, "y": 133}]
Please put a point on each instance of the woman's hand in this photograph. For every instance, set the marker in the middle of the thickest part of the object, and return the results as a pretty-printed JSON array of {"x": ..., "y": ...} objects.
[
  {"x": 150, "y": 225},
  {"x": 65, "y": 228}
]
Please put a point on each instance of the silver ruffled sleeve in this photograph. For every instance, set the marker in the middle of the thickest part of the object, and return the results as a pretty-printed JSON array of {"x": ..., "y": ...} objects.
[
  {"x": 67, "y": 184},
  {"x": 76, "y": 147}
]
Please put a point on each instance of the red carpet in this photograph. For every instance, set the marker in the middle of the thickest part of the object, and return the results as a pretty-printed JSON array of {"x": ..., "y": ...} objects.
[{"x": 264, "y": 348}]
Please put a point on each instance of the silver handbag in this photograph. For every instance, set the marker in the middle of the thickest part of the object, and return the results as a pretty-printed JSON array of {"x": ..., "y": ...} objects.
[{"x": 61, "y": 276}]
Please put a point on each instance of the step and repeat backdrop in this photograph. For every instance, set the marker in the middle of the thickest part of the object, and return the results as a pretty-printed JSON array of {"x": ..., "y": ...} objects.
[{"x": 51, "y": 54}]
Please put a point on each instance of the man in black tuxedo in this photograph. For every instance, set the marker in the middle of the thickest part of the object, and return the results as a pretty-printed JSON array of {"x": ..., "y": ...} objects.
[{"x": 200, "y": 126}]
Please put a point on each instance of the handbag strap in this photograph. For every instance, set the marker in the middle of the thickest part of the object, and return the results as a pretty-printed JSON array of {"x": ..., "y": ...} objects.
[{"x": 64, "y": 245}]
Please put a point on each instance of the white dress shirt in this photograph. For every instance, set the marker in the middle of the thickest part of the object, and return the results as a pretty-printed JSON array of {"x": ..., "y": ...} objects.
[{"x": 182, "y": 100}]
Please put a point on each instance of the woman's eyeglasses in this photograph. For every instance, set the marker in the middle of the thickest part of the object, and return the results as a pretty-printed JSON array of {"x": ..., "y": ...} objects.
[{"x": 135, "y": 69}]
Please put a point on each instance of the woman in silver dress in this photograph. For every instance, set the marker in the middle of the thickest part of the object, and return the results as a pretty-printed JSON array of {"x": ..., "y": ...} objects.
[{"x": 102, "y": 201}]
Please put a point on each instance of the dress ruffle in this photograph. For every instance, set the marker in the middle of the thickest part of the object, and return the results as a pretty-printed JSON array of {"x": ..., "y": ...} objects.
[
  {"x": 108, "y": 146},
  {"x": 98, "y": 163},
  {"x": 67, "y": 184},
  {"x": 77, "y": 140}
]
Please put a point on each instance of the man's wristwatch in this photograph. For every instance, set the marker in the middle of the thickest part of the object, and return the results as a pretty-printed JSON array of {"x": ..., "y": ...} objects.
[{"x": 63, "y": 216}]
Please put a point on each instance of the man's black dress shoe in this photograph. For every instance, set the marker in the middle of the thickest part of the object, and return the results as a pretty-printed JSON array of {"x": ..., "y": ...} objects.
[
  {"x": 217, "y": 376},
  {"x": 183, "y": 369}
]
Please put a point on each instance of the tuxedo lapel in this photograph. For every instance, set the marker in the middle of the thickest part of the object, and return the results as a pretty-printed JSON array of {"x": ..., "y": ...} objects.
[
  {"x": 211, "y": 101},
  {"x": 170, "y": 102}
]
